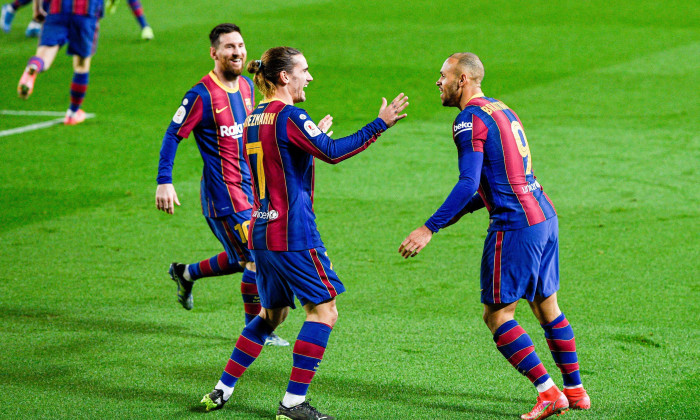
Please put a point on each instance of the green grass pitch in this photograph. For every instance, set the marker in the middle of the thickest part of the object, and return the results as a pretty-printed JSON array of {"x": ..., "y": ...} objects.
[{"x": 607, "y": 92}]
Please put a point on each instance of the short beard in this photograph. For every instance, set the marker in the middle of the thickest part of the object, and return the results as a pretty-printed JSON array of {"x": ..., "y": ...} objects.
[
  {"x": 451, "y": 100},
  {"x": 232, "y": 74}
]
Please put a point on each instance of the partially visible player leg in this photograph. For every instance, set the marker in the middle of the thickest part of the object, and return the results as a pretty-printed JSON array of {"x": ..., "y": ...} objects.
[
  {"x": 82, "y": 44},
  {"x": 184, "y": 275},
  {"x": 557, "y": 331},
  {"x": 7, "y": 14},
  {"x": 308, "y": 353},
  {"x": 146, "y": 30},
  {"x": 516, "y": 346},
  {"x": 249, "y": 292},
  {"x": 247, "y": 349},
  {"x": 78, "y": 88},
  {"x": 34, "y": 27},
  {"x": 251, "y": 304},
  {"x": 40, "y": 62},
  {"x": 562, "y": 344}
]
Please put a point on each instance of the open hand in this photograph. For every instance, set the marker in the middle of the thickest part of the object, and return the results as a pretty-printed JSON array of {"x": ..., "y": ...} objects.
[
  {"x": 392, "y": 113},
  {"x": 325, "y": 124}
]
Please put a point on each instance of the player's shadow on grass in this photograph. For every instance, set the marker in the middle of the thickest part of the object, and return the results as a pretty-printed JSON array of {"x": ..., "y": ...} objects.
[
  {"x": 58, "y": 320},
  {"x": 419, "y": 397},
  {"x": 394, "y": 392}
]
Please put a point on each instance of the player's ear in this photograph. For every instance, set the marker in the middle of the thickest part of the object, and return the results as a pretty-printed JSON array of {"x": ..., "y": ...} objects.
[
  {"x": 284, "y": 77},
  {"x": 212, "y": 52}
]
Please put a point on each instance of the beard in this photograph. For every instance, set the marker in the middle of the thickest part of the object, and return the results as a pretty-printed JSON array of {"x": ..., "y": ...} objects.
[
  {"x": 231, "y": 73},
  {"x": 450, "y": 97}
]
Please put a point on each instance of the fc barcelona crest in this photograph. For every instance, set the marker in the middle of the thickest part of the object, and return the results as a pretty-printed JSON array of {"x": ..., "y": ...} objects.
[{"x": 248, "y": 104}]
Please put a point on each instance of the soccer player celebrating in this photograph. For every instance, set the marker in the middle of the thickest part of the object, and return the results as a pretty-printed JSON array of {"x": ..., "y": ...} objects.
[
  {"x": 521, "y": 251},
  {"x": 281, "y": 141},
  {"x": 75, "y": 22},
  {"x": 214, "y": 110}
]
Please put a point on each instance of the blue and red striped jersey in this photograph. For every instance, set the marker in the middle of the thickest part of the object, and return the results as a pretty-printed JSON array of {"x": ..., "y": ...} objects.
[
  {"x": 215, "y": 114},
  {"x": 94, "y": 8},
  {"x": 281, "y": 143},
  {"x": 507, "y": 186}
]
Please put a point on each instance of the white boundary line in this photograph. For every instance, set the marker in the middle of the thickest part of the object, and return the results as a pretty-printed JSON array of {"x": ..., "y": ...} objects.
[{"x": 36, "y": 126}]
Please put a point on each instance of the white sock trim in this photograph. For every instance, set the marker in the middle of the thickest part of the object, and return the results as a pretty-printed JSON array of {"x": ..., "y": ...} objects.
[
  {"x": 291, "y": 400},
  {"x": 228, "y": 390},
  {"x": 545, "y": 385},
  {"x": 573, "y": 387}
]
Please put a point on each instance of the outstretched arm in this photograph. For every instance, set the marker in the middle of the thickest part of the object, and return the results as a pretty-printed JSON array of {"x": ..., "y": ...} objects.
[{"x": 304, "y": 134}]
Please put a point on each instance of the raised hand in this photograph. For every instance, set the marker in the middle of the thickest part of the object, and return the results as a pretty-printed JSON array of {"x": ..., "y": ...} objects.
[
  {"x": 325, "y": 124},
  {"x": 392, "y": 113}
]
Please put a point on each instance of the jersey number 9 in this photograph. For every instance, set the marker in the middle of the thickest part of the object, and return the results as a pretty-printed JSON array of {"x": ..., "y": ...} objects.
[{"x": 523, "y": 147}]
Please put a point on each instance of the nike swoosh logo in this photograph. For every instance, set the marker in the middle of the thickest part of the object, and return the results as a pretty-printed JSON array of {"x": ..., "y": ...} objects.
[{"x": 219, "y": 111}]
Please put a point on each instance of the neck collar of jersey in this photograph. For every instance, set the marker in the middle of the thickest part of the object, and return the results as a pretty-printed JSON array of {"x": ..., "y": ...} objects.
[
  {"x": 478, "y": 95},
  {"x": 221, "y": 85},
  {"x": 274, "y": 98}
]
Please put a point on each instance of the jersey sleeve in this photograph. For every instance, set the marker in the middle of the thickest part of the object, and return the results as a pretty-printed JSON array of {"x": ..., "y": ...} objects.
[
  {"x": 303, "y": 133},
  {"x": 187, "y": 116},
  {"x": 463, "y": 198}
]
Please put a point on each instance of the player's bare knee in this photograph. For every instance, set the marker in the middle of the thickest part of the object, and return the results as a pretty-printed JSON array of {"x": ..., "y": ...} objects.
[
  {"x": 81, "y": 64},
  {"x": 274, "y": 317}
]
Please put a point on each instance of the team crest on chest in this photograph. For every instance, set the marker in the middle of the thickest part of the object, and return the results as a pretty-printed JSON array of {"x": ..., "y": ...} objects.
[{"x": 248, "y": 104}]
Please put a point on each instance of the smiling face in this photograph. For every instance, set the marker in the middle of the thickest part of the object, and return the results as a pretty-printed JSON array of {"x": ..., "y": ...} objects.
[
  {"x": 299, "y": 78},
  {"x": 448, "y": 83},
  {"x": 229, "y": 55}
]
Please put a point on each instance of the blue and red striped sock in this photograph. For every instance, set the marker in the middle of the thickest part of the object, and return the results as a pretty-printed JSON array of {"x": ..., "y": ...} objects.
[
  {"x": 37, "y": 63},
  {"x": 516, "y": 346},
  {"x": 561, "y": 341},
  {"x": 308, "y": 353},
  {"x": 247, "y": 349},
  {"x": 138, "y": 12},
  {"x": 249, "y": 292},
  {"x": 217, "y": 265},
  {"x": 77, "y": 90}
]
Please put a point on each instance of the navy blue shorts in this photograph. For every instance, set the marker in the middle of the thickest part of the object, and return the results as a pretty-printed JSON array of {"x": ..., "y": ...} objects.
[
  {"x": 79, "y": 31},
  {"x": 520, "y": 263},
  {"x": 308, "y": 275},
  {"x": 232, "y": 232}
]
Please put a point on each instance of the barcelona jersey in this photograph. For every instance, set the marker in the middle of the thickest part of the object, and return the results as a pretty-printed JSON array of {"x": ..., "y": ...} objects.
[
  {"x": 215, "y": 114},
  {"x": 494, "y": 152},
  {"x": 281, "y": 144},
  {"x": 92, "y": 8}
]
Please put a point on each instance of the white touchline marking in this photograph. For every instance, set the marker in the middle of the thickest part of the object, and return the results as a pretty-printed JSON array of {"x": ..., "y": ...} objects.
[{"x": 35, "y": 126}]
